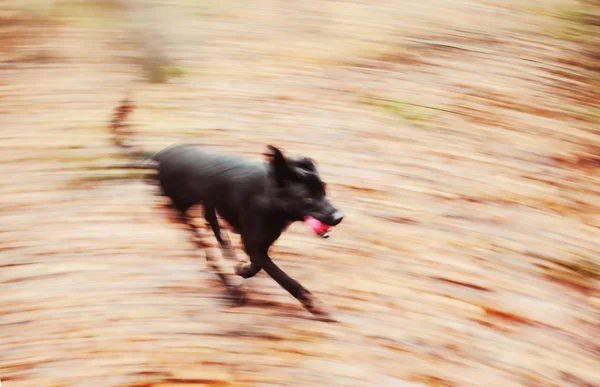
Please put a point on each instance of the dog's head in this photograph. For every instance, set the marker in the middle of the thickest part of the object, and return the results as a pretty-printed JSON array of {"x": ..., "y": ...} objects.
[{"x": 299, "y": 189}]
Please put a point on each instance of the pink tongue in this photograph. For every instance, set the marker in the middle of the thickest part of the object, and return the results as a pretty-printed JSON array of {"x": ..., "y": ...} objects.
[{"x": 315, "y": 225}]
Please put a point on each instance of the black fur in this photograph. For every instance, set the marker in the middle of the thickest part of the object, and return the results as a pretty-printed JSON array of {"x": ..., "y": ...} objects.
[{"x": 258, "y": 200}]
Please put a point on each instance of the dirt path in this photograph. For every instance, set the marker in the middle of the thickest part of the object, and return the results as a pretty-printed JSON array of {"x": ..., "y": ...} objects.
[{"x": 469, "y": 253}]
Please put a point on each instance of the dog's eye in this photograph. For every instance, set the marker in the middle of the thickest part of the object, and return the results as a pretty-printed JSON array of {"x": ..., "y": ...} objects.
[{"x": 308, "y": 199}]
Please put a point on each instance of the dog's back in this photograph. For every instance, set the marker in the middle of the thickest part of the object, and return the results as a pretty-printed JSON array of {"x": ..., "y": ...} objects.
[{"x": 189, "y": 175}]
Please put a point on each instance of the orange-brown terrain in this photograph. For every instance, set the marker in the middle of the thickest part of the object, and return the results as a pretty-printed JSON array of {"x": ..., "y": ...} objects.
[{"x": 460, "y": 137}]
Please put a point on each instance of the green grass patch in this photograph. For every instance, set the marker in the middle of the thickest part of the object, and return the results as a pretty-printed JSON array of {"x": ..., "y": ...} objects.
[
  {"x": 566, "y": 22},
  {"x": 95, "y": 13},
  {"x": 162, "y": 73},
  {"x": 417, "y": 115}
]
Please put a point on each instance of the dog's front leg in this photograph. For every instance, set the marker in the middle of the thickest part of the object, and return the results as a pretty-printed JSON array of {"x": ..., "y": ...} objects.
[
  {"x": 250, "y": 269},
  {"x": 247, "y": 269},
  {"x": 311, "y": 303}
]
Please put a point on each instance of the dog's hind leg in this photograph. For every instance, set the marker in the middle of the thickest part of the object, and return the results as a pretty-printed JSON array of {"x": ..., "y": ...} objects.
[
  {"x": 211, "y": 217},
  {"x": 233, "y": 284}
]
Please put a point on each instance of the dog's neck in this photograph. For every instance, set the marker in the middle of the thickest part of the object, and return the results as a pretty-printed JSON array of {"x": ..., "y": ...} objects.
[
  {"x": 280, "y": 213},
  {"x": 277, "y": 208}
]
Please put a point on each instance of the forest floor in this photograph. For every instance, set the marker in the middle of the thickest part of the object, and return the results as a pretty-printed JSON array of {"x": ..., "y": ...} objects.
[{"x": 459, "y": 138}]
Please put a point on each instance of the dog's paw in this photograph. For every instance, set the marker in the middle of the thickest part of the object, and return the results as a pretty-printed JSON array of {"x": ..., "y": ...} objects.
[
  {"x": 245, "y": 269},
  {"x": 325, "y": 317},
  {"x": 319, "y": 310},
  {"x": 240, "y": 267}
]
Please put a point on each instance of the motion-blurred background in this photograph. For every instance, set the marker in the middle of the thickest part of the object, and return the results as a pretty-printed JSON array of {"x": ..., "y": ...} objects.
[{"x": 460, "y": 137}]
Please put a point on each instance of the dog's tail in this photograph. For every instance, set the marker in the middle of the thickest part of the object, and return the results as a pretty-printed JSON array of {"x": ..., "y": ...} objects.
[{"x": 119, "y": 131}]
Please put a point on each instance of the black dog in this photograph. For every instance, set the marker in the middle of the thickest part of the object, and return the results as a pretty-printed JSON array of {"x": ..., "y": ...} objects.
[{"x": 258, "y": 200}]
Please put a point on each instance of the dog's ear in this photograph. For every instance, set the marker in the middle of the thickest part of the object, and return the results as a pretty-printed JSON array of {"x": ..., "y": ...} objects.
[
  {"x": 271, "y": 153},
  {"x": 279, "y": 164},
  {"x": 307, "y": 164}
]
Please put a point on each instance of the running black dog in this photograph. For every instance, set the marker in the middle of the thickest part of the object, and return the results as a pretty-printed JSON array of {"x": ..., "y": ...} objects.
[{"x": 258, "y": 200}]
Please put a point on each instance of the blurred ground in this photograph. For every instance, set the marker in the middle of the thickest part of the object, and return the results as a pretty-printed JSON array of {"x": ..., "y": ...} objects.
[{"x": 460, "y": 138}]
